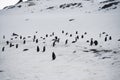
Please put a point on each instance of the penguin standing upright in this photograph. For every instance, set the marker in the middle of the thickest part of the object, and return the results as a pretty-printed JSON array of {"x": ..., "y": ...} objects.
[
  {"x": 77, "y": 37},
  {"x": 62, "y": 31},
  {"x": 11, "y": 45},
  {"x": 34, "y": 37},
  {"x": 20, "y": 37},
  {"x": 7, "y": 42},
  {"x": 3, "y": 49},
  {"x": 85, "y": 33},
  {"x": 91, "y": 42},
  {"x": 46, "y": 35},
  {"x": 53, "y": 56},
  {"x": 66, "y": 41},
  {"x": 70, "y": 35},
  {"x": 38, "y": 49},
  {"x": 3, "y": 36},
  {"x": 56, "y": 37},
  {"x": 33, "y": 40},
  {"x": 44, "y": 48},
  {"x": 53, "y": 34},
  {"x": 105, "y": 38},
  {"x": 82, "y": 36},
  {"x": 96, "y": 42},
  {"x": 54, "y": 44},
  {"x": 36, "y": 40},
  {"x": 16, "y": 45},
  {"x": 24, "y": 41},
  {"x": 110, "y": 38},
  {"x": 76, "y": 32}
]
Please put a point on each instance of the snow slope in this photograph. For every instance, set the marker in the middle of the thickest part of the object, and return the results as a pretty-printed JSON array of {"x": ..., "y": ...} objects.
[{"x": 34, "y": 19}]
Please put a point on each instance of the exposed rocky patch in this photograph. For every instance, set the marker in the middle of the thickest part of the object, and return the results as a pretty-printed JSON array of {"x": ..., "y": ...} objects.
[
  {"x": 85, "y": 6},
  {"x": 69, "y": 5},
  {"x": 109, "y": 5}
]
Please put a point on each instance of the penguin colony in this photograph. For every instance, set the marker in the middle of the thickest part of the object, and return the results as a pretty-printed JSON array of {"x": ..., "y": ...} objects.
[{"x": 54, "y": 40}]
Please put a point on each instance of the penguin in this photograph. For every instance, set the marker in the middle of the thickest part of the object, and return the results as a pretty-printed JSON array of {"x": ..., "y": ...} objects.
[
  {"x": 29, "y": 36},
  {"x": 7, "y": 42},
  {"x": 54, "y": 44},
  {"x": 3, "y": 49},
  {"x": 105, "y": 38},
  {"x": 53, "y": 56},
  {"x": 103, "y": 32},
  {"x": 85, "y": 33},
  {"x": 3, "y": 36},
  {"x": 11, "y": 38},
  {"x": 11, "y": 45},
  {"x": 56, "y": 37},
  {"x": 36, "y": 40},
  {"x": 70, "y": 35},
  {"x": 77, "y": 37},
  {"x": 82, "y": 36},
  {"x": 43, "y": 38},
  {"x": 107, "y": 35},
  {"x": 24, "y": 38},
  {"x": 110, "y": 38},
  {"x": 20, "y": 37},
  {"x": 34, "y": 37},
  {"x": 118, "y": 40},
  {"x": 25, "y": 49},
  {"x": 96, "y": 42},
  {"x": 38, "y": 49},
  {"x": 66, "y": 34},
  {"x": 14, "y": 34},
  {"x": 44, "y": 48},
  {"x": 33, "y": 40},
  {"x": 87, "y": 41},
  {"x": 62, "y": 31},
  {"x": 91, "y": 42},
  {"x": 16, "y": 45},
  {"x": 46, "y": 35},
  {"x": 73, "y": 41},
  {"x": 76, "y": 32},
  {"x": 53, "y": 33},
  {"x": 50, "y": 35},
  {"x": 24, "y": 41},
  {"x": 66, "y": 41},
  {"x": 44, "y": 42},
  {"x": 16, "y": 37}
]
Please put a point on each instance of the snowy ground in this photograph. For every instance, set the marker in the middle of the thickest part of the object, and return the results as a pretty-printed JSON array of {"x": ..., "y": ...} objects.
[{"x": 74, "y": 61}]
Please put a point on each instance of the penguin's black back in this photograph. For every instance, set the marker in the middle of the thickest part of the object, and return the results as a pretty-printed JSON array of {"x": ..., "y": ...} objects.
[{"x": 53, "y": 56}]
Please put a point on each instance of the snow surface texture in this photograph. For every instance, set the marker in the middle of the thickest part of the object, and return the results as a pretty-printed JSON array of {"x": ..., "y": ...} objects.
[{"x": 60, "y": 40}]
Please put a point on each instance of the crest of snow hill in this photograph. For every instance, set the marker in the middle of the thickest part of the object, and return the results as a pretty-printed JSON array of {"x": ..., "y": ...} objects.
[{"x": 50, "y": 5}]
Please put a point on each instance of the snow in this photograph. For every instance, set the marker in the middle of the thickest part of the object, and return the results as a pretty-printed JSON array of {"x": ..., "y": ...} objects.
[{"x": 74, "y": 61}]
